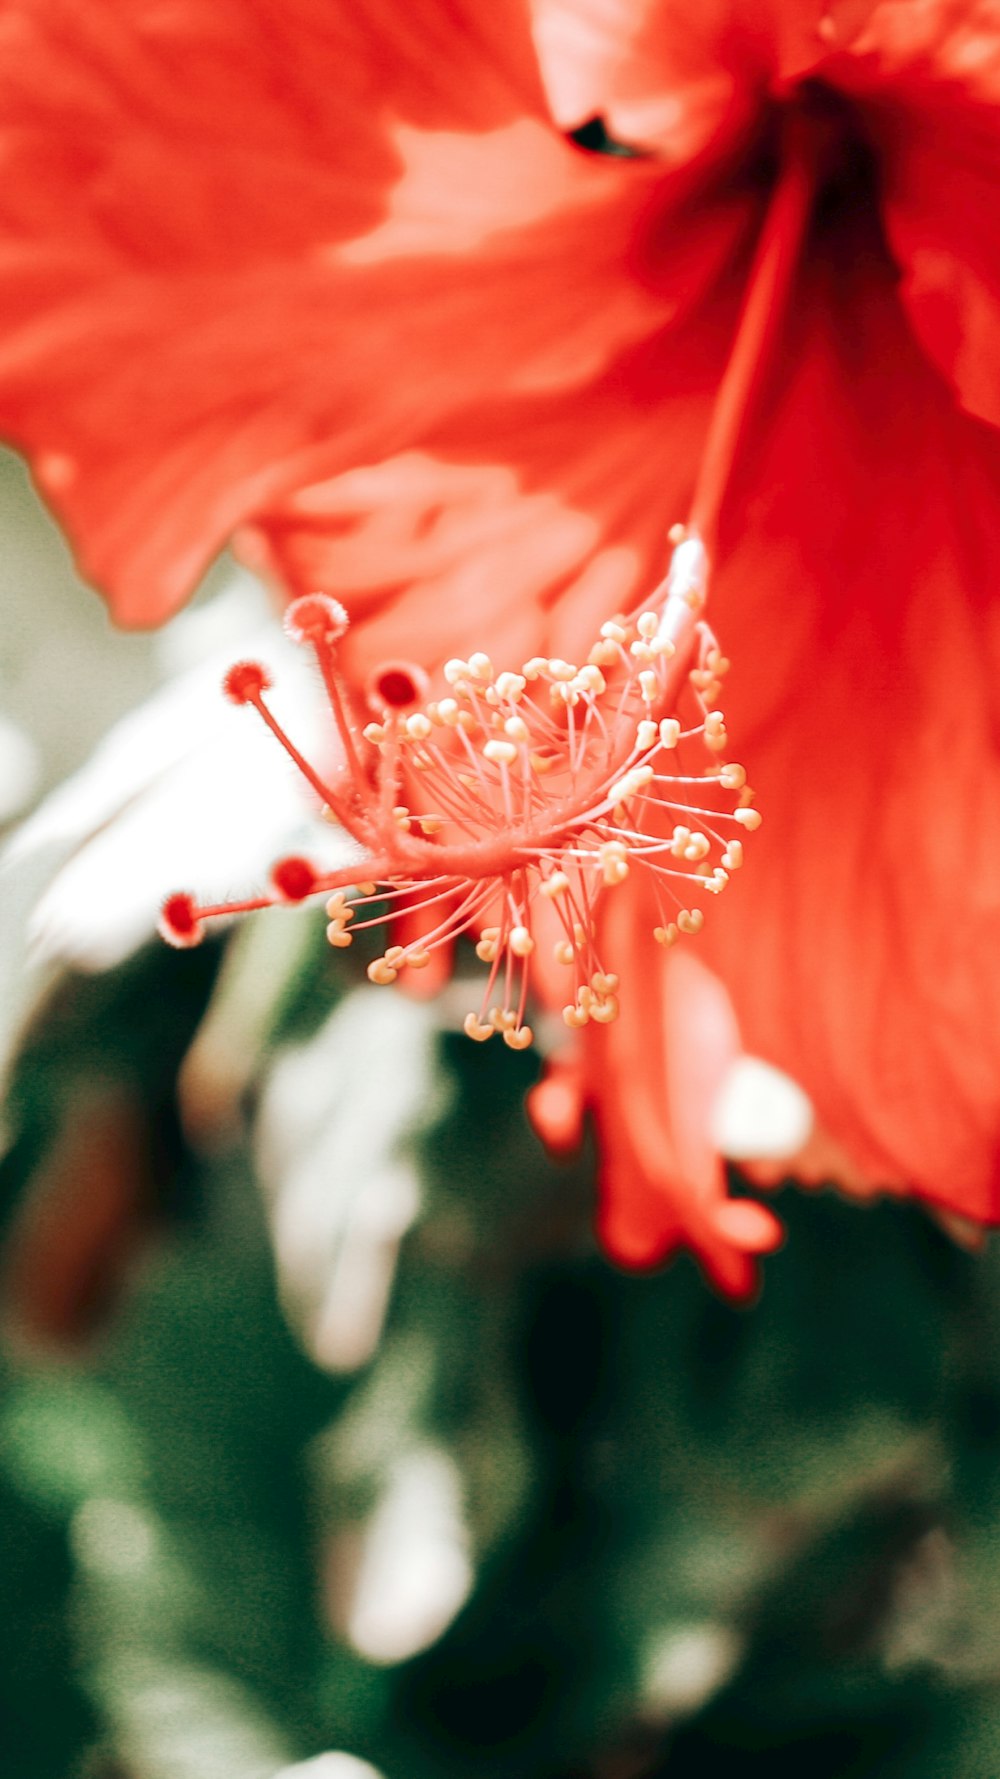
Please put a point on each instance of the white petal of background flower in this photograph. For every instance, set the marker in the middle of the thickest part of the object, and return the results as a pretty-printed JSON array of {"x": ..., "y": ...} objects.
[{"x": 188, "y": 792}]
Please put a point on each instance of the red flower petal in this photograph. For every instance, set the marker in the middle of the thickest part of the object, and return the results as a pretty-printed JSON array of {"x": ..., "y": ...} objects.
[
  {"x": 863, "y": 949},
  {"x": 653, "y": 1078},
  {"x": 681, "y": 78},
  {"x": 929, "y": 78}
]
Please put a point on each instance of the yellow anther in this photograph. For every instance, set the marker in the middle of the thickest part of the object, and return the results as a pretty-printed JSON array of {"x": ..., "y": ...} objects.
[
  {"x": 537, "y": 665},
  {"x": 556, "y": 884},
  {"x": 365, "y": 889},
  {"x": 520, "y": 941},
  {"x": 719, "y": 664},
  {"x": 733, "y": 777},
  {"x": 603, "y": 654},
  {"x": 374, "y": 732},
  {"x": 446, "y": 712},
  {"x": 500, "y": 753},
  {"x": 576, "y": 1017},
  {"x": 430, "y": 824},
  {"x": 488, "y": 946},
  {"x": 605, "y": 985},
  {"x": 394, "y": 955},
  {"x": 690, "y": 920},
  {"x": 642, "y": 651},
  {"x": 698, "y": 847},
  {"x": 732, "y": 858},
  {"x": 338, "y": 935},
  {"x": 748, "y": 818},
  {"x": 670, "y": 732},
  {"x": 473, "y": 1029},
  {"x": 614, "y": 632},
  {"x": 666, "y": 935},
  {"x": 417, "y": 960},
  {"x": 579, "y": 935},
  {"x": 480, "y": 666},
  {"x": 504, "y": 1018},
  {"x": 516, "y": 729},
  {"x": 338, "y": 907},
  {"x": 647, "y": 624},
  {"x": 717, "y": 881},
  {"x": 631, "y": 784},
  {"x": 700, "y": 678},
  {"x": 559, "y": 669},
  {"x": 613, "y": 860},
  {"x": 604, "y": 1012},
  {"x": 511, "y": 686},
  {"x": 648, "y": 684},
  {"x": 679, "y": 841},
  {"x": 456, "y": 671},
  {"x": 418, "y": 726},
  {"x": 565, "y": 692},
  {"x": 717, "y": 740},
  {"x": 562, "y": 951},
  {"x": 542, "y": 763},
  {"x": 591, "y": 679},
  {"x": 401, "y": 816},
  {"x": 664, "y": 648},
  {"x": 519, "y": 1037},
  {"x": 381, "y": 972},
  {"x": 466, "y": 720},
  {"x": 646, "y": 734}
]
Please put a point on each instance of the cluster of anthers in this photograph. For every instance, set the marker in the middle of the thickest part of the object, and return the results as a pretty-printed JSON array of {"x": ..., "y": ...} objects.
[{"x": 542, "y": 788}]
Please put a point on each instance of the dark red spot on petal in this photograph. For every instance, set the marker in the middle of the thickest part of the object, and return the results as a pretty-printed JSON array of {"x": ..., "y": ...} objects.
[{"x": 397, "y": 685}]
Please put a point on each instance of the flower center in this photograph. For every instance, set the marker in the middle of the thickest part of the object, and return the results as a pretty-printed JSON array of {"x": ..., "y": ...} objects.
[
  {"x": 539, "y": 791},
  {"x": 511, "y": 806}
]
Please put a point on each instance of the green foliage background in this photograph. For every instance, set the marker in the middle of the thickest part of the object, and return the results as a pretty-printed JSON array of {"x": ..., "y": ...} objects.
[{"x": 704, "y": 1539}]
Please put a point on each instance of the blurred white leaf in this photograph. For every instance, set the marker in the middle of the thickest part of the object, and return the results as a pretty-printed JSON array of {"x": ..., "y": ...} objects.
[
  {"x": 188, "y": 791},
  {"x": 341, "y": 1191},
  {"x": 330, "y": 1766},
  {"x": 20, "y": 769},
  {"x": 397, "y": 1581}
]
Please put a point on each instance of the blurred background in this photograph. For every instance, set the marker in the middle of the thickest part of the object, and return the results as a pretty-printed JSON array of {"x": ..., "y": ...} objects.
[{"x": 324, "y": 1428}]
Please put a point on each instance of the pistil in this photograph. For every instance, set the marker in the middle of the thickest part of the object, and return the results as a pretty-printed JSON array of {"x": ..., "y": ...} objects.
[{"x": 764, "y": 308}]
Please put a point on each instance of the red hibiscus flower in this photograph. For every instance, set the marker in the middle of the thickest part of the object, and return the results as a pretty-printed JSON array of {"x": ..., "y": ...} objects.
[{"x": 375, "y": 289}]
